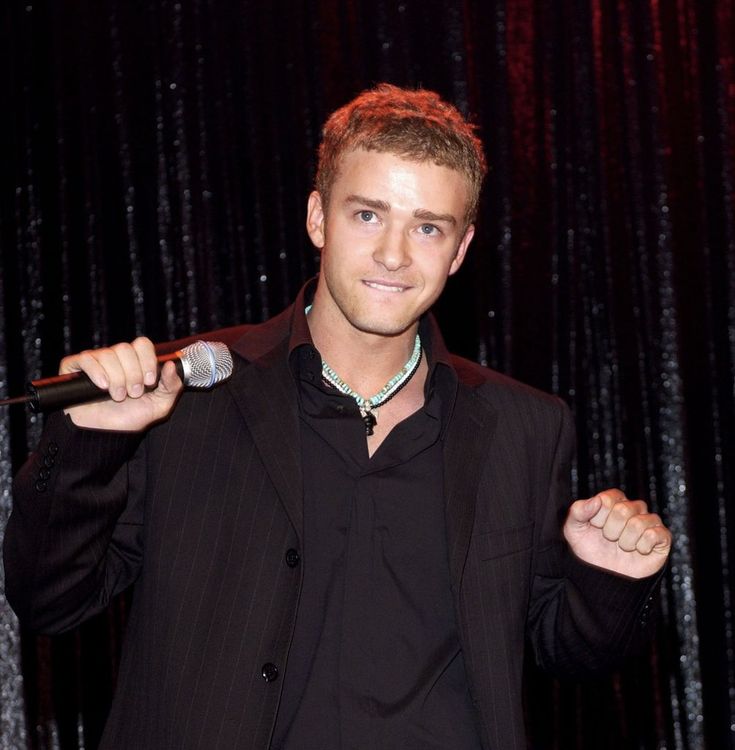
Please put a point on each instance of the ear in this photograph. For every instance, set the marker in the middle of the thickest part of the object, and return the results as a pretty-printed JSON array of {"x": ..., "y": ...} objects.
[
  {"x": 315, "y": 219},
  {"x": 464, "y": 243}
]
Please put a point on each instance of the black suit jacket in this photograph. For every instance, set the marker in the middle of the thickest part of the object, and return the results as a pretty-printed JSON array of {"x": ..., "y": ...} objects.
[{"x": 203, "y": 513}]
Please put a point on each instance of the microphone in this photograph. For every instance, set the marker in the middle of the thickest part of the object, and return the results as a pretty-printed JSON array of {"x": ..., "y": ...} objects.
[{"x": 199, "y": 365}]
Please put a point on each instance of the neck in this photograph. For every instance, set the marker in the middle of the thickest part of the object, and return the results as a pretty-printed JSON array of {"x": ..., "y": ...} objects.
[{"x": 365, "y": 361}]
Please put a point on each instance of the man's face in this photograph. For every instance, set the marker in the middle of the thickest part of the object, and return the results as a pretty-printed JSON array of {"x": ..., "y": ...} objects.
[{"x": 393, "y": 233}]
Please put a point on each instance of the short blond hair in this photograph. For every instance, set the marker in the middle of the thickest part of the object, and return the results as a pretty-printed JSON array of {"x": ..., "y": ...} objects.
[{"x": 415, "y": 124}]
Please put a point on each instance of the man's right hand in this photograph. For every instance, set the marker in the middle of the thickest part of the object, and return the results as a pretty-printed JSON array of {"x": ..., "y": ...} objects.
[{"x": 129, "y": 372}]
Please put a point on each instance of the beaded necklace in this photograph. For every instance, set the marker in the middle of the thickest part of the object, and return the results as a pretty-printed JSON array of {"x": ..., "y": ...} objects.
[{"x": 385, "y": 394}]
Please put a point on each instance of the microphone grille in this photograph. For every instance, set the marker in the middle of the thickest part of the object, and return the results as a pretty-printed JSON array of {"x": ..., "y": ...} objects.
[{"x": 206, "y": 363}]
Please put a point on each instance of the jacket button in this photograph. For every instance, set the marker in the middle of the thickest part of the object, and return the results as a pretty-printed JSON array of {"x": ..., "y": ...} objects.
[
  {"x": 270, "y": 672},
  {"x": 40, "y": 486},
  {"x": 49, "y": 461},
  {"x": 44, "y": 474},
  {"x": 292, "y": 558},
  {"x": 53, "y": 448}
]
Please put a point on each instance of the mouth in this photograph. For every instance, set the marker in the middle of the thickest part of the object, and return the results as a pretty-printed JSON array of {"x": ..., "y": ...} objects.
[{"x": 386, "y": 286}]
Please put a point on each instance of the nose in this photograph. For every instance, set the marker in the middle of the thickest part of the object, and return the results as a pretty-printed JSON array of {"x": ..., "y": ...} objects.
[{"x": 392, "y": 251}]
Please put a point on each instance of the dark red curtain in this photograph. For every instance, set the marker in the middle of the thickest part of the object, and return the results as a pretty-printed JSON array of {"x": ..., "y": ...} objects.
[{"x": 156, "y": 160}]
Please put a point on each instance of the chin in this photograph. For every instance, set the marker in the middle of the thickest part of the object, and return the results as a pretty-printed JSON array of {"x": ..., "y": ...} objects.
[{"x": 381, "y": 327}]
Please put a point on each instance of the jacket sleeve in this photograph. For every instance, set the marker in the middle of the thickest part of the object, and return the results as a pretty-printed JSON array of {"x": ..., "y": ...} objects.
[
  {"x": 582, "y": 619},
  {"x": 74, "y": 537}
]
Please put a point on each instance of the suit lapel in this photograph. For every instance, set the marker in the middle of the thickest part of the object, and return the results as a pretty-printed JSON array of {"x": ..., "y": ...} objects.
[
  {"x": 265, "y": 394},
  {"x": 466, "y": 450}
]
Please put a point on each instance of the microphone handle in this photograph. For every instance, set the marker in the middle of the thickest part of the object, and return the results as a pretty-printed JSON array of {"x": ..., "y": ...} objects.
[{"x": 75, "y": 388}]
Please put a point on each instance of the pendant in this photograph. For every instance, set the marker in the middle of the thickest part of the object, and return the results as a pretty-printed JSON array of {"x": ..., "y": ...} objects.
[
  {"x": 369, "y": 419},
  {"x": 385, "y": 394}
]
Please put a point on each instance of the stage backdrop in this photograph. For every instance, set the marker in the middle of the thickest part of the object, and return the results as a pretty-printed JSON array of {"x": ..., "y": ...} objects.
[{"x": 156, "y": 160}]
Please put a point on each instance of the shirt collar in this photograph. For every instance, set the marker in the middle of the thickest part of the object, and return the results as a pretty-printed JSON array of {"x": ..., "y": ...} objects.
[
  {"x": 431, "y": 338},
  {"x": 300, "y": 333},
  {"x": 306, "y": 365}
]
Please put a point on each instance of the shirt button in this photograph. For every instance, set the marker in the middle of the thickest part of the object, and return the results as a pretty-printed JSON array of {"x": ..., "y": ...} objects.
[
  {"x": 44, "y": 474},
  {"x": 292, "y": 558},
  {"x": 53, "y": 448},
  {"x": 270, "y": 672},
  {"x": 40, "y": 486},
  {"x": 49, "y": 461}
]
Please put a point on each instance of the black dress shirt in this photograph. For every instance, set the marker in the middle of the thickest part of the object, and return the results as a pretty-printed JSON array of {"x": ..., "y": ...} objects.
[{"x": 375, "y": 661}]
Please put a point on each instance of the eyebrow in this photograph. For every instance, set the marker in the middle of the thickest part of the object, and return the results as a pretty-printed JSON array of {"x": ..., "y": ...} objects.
[
  {"x": 419, "y": 213},
  {"x": 426, "y": 215},
  {"x": 369, "y": 202}
]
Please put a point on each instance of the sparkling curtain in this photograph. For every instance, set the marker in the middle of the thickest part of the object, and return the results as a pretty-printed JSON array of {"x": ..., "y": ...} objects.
[{"x": 156, "y": 163}]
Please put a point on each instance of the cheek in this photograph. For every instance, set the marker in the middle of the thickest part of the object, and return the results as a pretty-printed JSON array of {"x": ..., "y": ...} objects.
[
  {"x": 434, "y": 265},
  {"x": 337, "y": 266}
]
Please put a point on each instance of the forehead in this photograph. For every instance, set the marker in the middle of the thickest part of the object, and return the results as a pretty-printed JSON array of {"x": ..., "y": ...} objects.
[{"x": 400, "y": 182}]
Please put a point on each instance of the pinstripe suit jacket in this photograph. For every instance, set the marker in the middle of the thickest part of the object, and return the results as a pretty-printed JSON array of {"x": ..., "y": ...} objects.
[{"x": 201, "y": 512}]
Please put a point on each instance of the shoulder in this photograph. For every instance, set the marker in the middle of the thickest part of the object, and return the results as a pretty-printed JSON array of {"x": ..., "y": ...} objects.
[
  {"x": 230, "y": 336},
  {"x": 249, "y": 341},
  {"x": 493, "y": 384},
  {"x": 518, "y": 408}
]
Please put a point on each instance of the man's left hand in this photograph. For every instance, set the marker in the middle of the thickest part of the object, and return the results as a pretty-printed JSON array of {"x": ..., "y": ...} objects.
[{"x": 617, "y": 534}]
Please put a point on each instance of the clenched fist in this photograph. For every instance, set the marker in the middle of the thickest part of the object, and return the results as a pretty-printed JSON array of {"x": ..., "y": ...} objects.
[{"x": 617, "y": 534}]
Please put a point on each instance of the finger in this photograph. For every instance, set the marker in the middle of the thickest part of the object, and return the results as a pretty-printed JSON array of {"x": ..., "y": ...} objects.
[
  {"x": 620, "y": 515},
  {"x": 635, "y": 528},
  {"x": 581, "y": 511},
  {"x": 147, "y": 357},
  {"x": 87, "y": 363},
  {"x": 116, "y": 369},
  {"x": 131, "y": 368},
  {"x": 656, "y": 538},
  {"x": 110, "y": 361},
  {"x": 608, "y": 498}
]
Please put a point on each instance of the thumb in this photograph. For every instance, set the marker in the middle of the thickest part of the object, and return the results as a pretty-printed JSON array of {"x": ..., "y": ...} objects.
[
  {"x": 169, "y": 385},
  {"x": 582, "y": 512},
  {"x": 169, "y": 382}
]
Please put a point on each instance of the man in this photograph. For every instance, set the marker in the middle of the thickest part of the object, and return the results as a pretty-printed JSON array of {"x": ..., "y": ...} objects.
[{"x": 348, "y": 543}]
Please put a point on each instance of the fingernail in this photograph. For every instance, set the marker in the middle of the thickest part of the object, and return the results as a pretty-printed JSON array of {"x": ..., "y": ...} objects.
[
  {"x": 119, "y": 394},
  {"x": 149, "y": 378},
  {"x": 136, "y": 390}
]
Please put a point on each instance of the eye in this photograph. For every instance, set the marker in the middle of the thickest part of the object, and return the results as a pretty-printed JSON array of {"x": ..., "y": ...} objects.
[
  {"x": 429, "y": 230},
  {"x": 367, "y": 216}
]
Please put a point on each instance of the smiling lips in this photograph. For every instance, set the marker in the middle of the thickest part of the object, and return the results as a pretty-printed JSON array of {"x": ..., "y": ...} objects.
[{"x": 386, "y": 286}]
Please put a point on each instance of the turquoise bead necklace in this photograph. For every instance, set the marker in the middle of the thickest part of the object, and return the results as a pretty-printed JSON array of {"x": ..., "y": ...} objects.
[{"x": 385, "y": 394}]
